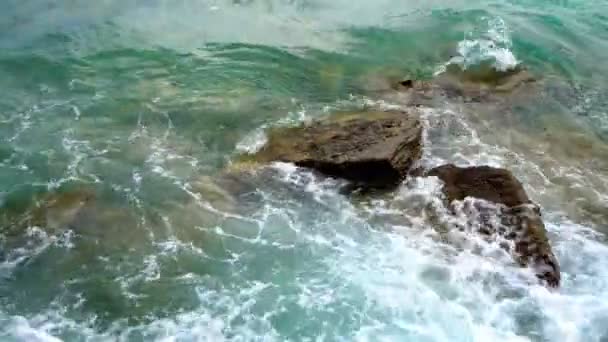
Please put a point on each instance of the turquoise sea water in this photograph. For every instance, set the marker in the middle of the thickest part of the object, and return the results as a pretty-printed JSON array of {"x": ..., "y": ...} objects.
[{"x": 127, "y": 113}]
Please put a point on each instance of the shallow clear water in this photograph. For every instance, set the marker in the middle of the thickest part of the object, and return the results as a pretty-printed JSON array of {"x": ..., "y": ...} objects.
[{"x": 133, "y": 109}]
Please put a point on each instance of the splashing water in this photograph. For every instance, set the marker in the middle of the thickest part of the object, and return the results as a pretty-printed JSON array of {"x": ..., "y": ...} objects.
[
  {"x": 490, "y": 44},
  {"x": 120, "y": 219}
]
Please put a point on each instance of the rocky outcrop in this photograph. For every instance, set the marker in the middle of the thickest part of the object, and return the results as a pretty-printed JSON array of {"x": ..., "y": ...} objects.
[
  {"x": 373, "y": 149},
  {"x": 519, "y": 219}
]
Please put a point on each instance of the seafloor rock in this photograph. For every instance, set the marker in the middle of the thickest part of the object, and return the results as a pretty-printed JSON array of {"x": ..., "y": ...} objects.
[
  {"x": 476, "y": 84},
  {"x": 482, "y": 78},
  {"x": 77, "y": 216},
  {"x": 369, "y": 148},
  {"x": 399, "y": 90},
  {"x": 519, "y": 219},
  {"x": 233, "y": 190},
  {"x": 56, "y": 211}
]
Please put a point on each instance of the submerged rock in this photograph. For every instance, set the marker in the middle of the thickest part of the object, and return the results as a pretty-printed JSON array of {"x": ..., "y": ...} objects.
[
  {"x": 231, "y": 191},
  {"x": 483, "y": 78},
  {"x": 481, "y": 83},
  {"x": 397, "y": 89},
  {"x": 80, "y": 209},
  {"x": 519, "y": 219},
  {"x": 54, "y": 211},
  {"x": 369, "y": 148}
]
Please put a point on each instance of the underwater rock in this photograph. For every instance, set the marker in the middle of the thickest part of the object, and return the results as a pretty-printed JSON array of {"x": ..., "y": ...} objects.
[
  {"x": 231, "y": 190},
  {"x": 79, "y": 209},
  {"x": 394, "y": 88},
  {"x": 75, "y": 217},
  {"x": 487, "y": 75},
  {"x": 369, "y": 148},
  {"x": 481, "y": 81},
  {"x": 519, "y": 219},
  {"x": 59, "y": 210}
]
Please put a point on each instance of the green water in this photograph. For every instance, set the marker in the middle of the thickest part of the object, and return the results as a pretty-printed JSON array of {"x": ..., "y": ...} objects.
[{"x": 128, "y": 113}]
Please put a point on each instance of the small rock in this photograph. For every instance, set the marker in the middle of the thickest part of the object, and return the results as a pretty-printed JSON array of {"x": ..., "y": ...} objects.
[
  {"x": 483, "y": 182},
  {"x": 520, "y": 219}
]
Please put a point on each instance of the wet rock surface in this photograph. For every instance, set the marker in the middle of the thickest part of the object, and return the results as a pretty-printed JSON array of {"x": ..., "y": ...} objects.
[
  {"x": 483, "y": 182},
  {"x": 519, "y": 220},
  {"x": 369, "y": 148}
]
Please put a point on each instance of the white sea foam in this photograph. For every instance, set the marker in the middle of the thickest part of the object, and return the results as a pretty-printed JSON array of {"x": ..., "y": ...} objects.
[
  {"x": 403, "y": 284},
  {"x": 374, "y": 269},
  {"x": 21, "y": 330},
  {"x": 252, "y": 142},
  {"x": 490, "y": 42}
]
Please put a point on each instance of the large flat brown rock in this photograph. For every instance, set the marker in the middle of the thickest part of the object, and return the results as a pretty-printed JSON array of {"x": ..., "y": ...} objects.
[{"x": 370, "y": 148}]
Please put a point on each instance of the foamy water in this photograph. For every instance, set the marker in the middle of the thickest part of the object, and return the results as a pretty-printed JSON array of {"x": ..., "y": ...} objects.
[{"x": 169, "y": 252}]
